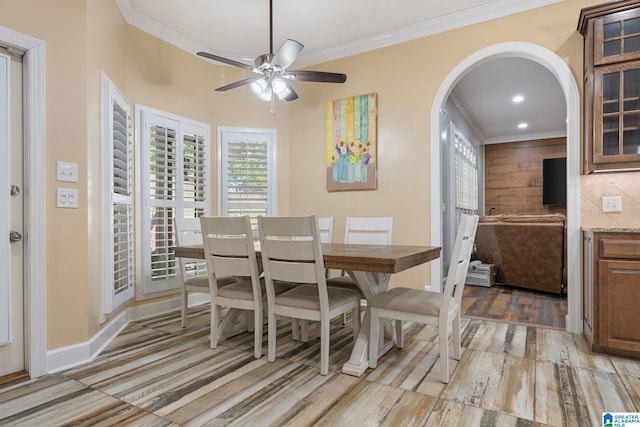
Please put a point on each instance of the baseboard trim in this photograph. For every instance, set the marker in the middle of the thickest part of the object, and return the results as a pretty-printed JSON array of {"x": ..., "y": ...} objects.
[{"x": 74, "y": 355}]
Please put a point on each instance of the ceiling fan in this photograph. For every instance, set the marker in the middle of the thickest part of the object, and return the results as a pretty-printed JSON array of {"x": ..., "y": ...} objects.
[{"x": 273, "y": 76}]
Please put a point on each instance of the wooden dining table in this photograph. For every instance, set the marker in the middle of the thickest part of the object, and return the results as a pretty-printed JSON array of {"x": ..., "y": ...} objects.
[{"x": 371, "y": 266}]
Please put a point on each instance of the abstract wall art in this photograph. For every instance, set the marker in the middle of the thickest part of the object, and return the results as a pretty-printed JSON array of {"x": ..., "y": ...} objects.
[{"x": 351, "y": 143}]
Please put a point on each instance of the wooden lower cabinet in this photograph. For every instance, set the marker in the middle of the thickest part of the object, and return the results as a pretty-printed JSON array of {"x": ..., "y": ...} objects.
[
  {"x": 619, "y": 306},
  {"x": 612, "y": 317}
]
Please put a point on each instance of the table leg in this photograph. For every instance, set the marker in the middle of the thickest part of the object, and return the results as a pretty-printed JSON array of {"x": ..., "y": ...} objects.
[
  {"x": 233, "y": 323},
  {"x": 371, "y": 284}
]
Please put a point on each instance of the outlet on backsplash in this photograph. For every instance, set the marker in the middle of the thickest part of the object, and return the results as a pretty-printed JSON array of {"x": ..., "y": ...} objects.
[
  {"x": 595, "y": 187},
  {"x": 612, "y": 204}
]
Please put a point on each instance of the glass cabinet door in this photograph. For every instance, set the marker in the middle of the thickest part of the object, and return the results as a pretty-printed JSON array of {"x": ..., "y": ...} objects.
[
  {"x": 617, "y": 37},
  {"x": 617, "y": 113}
]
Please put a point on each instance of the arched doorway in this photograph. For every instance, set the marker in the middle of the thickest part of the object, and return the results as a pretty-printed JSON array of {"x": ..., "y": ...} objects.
[{"x": 561, "y": 71}]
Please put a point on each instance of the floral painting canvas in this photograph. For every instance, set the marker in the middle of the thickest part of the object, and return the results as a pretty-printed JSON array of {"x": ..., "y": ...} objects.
[{"x": 351, "y": 143}]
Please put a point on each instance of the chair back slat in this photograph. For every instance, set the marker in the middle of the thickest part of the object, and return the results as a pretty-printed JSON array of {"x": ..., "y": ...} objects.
[
  {"x": 369, "y": 230},
  {"x": 227, "y": 244},
  {"x": 230, "y": 266},
  {"x": 461, "y": 255},
  {"x": 302, "y": 272},
  {"x": 293, "y": 226},
  {"x": 325, "y": 228},
  {"x": 188, "y": 233},
  {"x": 229, "y": 248},
  {"x": 291, "y": 252},
  {"x": 291, "y": 249}
]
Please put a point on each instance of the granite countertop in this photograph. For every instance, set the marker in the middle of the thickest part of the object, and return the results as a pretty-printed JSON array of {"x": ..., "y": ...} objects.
[{"x": 612, "y": 229}]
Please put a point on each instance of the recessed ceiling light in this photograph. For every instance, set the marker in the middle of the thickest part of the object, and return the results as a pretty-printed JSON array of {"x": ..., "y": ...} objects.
[
  {"x": 518, "y": 98},
  {"x": 522, "y": 125}
]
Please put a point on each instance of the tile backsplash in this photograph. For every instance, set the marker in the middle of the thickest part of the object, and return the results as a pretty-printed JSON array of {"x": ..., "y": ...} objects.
[{"x": 597, "y": 185}]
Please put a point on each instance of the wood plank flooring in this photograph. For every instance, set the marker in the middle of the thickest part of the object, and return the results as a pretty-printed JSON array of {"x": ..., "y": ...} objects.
[
  {"x": 514, "y": 305},
  {"x": 157, "y": 374}
]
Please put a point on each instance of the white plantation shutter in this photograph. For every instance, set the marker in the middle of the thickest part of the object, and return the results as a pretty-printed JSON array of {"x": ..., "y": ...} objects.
[
  {"x": 247, "y": 172},
  {"x": 466, "y": 176},
  {"x": 118, "y": 258},
  {"x": 174, "y": 182},
  {"x": 161, "y": 198},
  {"x": 195, "y": 172}
]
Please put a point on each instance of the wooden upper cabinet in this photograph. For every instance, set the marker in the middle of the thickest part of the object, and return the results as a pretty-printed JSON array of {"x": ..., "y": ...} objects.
[
  {"x": 611, "y": 34},
  {"x": 617, "y": 37}
]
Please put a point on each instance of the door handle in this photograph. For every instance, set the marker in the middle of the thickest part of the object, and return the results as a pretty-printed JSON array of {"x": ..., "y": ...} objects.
[{"x": 14, "y": 236}]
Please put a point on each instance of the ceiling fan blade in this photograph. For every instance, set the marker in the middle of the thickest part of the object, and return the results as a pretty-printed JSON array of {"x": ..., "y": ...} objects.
[
  {"x": 238, "y": 84},
  {"x": 226, "y": 61},
  {"x": 287, "y": 54},
  {"x": 316, "y": 76}
]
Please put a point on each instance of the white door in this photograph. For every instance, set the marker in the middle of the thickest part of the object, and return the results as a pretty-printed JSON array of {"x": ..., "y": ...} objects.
[{"x": 11, "y": 215}]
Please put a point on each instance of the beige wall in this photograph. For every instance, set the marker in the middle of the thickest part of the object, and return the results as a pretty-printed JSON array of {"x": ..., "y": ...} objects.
[
  {"x": 84, "y": 37},
  {"x": 407, "y": 78},
  {"x": 81, "y": 39}
]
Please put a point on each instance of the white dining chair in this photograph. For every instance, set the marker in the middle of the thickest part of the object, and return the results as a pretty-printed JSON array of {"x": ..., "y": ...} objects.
[
  {"x": 230, "y": 251},
  {"x": 292, "y": 252},
  {"x": 325, "y": 228},
  {"x": 364, "y": 231},
  {"x": 192, "y": 273},
  {"x": 435, "y": 308}
]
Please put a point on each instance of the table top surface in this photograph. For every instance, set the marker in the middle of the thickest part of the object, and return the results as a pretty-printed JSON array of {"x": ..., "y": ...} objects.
[{"x": 341, "y": 256}]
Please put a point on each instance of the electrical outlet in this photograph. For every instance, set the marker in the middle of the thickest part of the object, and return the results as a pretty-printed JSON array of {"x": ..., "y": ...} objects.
[
  {"x": 612, "y": 204},
  {"x": 67, "y": 198}
]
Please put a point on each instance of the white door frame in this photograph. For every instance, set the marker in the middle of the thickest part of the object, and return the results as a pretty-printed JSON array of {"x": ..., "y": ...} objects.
[
  {"x": 561, "y": 71},
  {"x": 35, "y": 279}
]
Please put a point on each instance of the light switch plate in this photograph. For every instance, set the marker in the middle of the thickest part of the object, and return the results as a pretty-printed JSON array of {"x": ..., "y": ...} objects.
[
  {"x": 67, "y": 198},
  {"x": 67, "y": 172},
  {"x": 612, "y": 204}
]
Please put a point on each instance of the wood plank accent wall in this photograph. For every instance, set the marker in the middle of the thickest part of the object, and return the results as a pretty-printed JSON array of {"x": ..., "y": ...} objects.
[{"x": 513, "y": 176}]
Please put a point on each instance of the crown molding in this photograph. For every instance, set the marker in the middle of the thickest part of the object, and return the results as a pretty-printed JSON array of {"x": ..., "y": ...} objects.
[{"x": 496, "y": 9}]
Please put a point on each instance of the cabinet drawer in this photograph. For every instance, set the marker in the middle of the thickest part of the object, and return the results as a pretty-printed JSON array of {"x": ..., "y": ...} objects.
[{"x": 619, "y": 248}]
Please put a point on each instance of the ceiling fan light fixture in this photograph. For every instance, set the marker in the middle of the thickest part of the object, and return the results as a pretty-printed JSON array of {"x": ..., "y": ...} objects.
[
  {"x": 266, "y": 94},
  {"x": 283, "y": 94},
  {"x": 278, "y": 85},
  {"x": 259, "y": 86}
]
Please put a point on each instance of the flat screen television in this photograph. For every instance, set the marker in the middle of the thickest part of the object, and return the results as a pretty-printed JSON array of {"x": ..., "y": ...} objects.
[{"x": 554, "y": 181}]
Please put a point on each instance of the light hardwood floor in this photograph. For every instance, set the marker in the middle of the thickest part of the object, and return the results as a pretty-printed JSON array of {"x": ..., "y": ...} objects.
[{"x": 157, "y": 374}]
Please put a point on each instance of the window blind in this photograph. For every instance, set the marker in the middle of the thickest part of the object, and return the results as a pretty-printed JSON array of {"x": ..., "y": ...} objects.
[
  {"x": 174, "y": 183},
  {"x": 162, "y": 196},
  {"x": 118, "y": 260},
  {"x": 247, "y": 178},
  {"x": 195, "y": 174},
  {"x": 247, "y": 172},
  {"x": 466, "y": 176}
]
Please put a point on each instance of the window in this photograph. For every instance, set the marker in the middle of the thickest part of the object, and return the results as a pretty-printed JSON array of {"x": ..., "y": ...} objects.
[
  {"x": 246, "y": 172},
  {"x": 174, "y": 181},
  {"x": 117, "y": 180},
  {"x": 466, "y": 176}
]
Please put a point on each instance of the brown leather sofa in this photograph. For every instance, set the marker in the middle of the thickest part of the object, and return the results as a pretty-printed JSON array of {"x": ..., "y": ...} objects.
[{"x": 528, "y": 250}]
